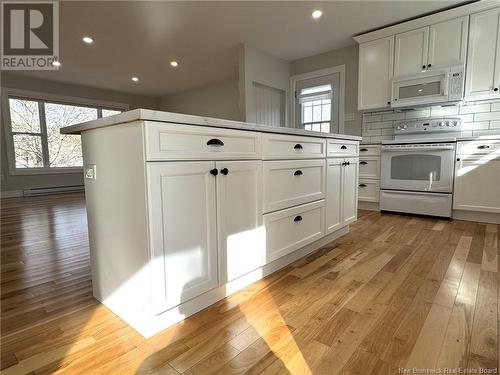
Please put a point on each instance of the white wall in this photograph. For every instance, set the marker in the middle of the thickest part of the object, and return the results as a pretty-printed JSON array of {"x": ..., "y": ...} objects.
[
  {"x": 259, "y": 67},
  {"x": 346, "y": 56},
  {"x": 217, "y": 100}
]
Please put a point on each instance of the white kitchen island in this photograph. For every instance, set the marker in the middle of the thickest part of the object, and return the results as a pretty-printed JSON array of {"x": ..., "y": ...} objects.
[{"x": 185, "y": 210}]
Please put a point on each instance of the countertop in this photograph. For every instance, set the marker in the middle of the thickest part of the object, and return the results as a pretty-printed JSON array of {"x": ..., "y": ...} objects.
[{"x": 178, "y": 118}]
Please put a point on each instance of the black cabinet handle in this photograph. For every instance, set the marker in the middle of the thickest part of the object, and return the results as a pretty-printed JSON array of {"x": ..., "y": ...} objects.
[
  {"x": 363, "y": 162},
  {"x": 423, "y": 67},
  {"x": 344, "y": 163},
  {"x": 363, "y": 149},
  {"x": 297, "y": 218},
  {"x": 429, "y": 65},
  {"x": 215, "y": 142},
  {"x": 298, "y": 146},
  {"x": 343, "y": 147},
  {"x": 298, "y": 173},
  {"x": 224, "y": 171},
  {"x": 495, "y": 89},
  {"x": 389, "y": 103},
  {"x": 482, "y": 147},
  {"x": 348, "y": 163},
  {"x": 214, "y": 171},
  {"x": 362, "y": 185},
  {"x": 458, "y": 159}
]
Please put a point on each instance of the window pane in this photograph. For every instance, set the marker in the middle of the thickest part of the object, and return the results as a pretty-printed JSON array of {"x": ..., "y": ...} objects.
[
  {"x": 24, "y": 116},
  {"x": 307, "y": 113},
  {"x": 315, "y": 89},
  {"x": 65, "y": 150},
  {"x": 28, "y": 151},
  {"x": 317, "y": 113},
  {"x": 325, "y": 127},
  {"x": 326, "y": 112},
  {"x": 109, "y": 112}
]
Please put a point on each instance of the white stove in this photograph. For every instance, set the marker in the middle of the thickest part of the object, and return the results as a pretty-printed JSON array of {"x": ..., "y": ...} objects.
[{"x": 417, "y": 167}]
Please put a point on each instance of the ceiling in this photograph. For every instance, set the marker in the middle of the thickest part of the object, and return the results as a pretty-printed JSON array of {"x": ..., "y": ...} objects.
[{"x": 140, "y": 38}]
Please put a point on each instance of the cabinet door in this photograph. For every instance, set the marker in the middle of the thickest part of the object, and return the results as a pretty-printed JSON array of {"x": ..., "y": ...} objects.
[
  {"x": 411, "y": 51},
  {"x": 483, "y": 58},
  {"x": 182, "y": 231},
  {"x": 448, "y": 42},
  {"x": 240, "y": 231},
  {"x": 375, "y": 73},
  {"x": 470, "y": 195},
  {"x": 334, "y": 194},
  {"x": 350, "y": 191}
]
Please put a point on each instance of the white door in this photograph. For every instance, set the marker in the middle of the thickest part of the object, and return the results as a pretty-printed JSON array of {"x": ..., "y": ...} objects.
[
  {"x": 470, "y": 195},
  {"x": 183, "y": 231},
  {"x": 334, "y": 185},
  {"x": 350, "y": 191},
  {"x": 448, "y": 42},
  {"x": 411, "y": 50},
  {"x": 240, "y": 230},
  {"x": 375, "y": 73},
  {"x": 483, "y": 58}
]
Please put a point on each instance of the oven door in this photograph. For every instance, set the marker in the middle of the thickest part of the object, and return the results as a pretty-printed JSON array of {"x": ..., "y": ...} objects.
[
  {"x": 418, "y": 167},
  {"x": 426, "y": 88}
]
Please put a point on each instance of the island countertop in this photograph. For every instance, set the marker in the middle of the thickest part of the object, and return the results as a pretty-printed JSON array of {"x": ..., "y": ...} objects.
[{"x": 182, "y": 119}]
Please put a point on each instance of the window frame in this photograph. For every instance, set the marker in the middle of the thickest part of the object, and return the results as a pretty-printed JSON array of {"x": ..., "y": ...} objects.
[
  {"x": 8, "y": 93},
  {"x": 317, "y": 74}
]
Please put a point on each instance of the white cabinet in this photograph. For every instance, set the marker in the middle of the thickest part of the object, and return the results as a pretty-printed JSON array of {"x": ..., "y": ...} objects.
[
  {"x": 182, "y": 209},
  {"x": 375, "y": 73},
  {"x": 240, "y": 231},
  {"x": 341, "y": 193},
  {"x": 483, "y": 58},
  {"x": 410, "y": 51}
]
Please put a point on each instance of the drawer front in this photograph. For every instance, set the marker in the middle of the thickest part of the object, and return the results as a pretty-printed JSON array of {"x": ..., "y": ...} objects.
[
  {"x": 368, "y": 190},
  {"x": 478, "y": 147},
  {"x": 290, "y": 183},
  {"x": 339, "y": 148},
  {"x": 186, "y": 142},
  {"x": 369, "y": 167},
  {"x": 289, "y": 230},
  {"x": 369, "y": 150},
  {"x": 277, "y": 146}
]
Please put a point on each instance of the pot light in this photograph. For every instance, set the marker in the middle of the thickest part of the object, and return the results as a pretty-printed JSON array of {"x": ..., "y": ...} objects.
[
  {"x": 88, "y": 39},
  {"x": 174, "y": 63},
  {"x": 135, "y": 79},
  {"x": 317, "y": 13},
  {"x": 56, "y": 63}
]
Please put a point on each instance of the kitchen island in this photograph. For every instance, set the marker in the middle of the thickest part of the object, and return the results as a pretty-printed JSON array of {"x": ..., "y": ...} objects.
[{"x": 184, "y": 210}]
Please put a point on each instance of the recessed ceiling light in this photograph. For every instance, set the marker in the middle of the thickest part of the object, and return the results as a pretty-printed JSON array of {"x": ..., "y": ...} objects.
[
  {"x": 88, "y": 39},
  {"x": 174, "y": 63},
  {"x": 56, "y": 63},
  {"x": 135, "y": 79},
  {"x": 317, "y": 13}
]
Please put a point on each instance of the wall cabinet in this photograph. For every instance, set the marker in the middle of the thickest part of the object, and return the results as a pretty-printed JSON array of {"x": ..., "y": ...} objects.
[
  {"x": 410, "y": 52},
  {"x": 375, "y": 73},
  {"x": 483, "y": 59}
]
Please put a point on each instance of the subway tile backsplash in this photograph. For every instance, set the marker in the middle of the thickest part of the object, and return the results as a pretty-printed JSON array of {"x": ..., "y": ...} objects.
[{"x": 479, "y": 118}]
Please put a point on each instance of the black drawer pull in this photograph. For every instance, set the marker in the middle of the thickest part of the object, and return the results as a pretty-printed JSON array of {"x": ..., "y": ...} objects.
[
  {"x": 297, "y": 218},
  {"x": 224, "y": 171},
  {"x": 482, "y": 147},
  {"x": 298, "y": 146},
  {"x": 298, "y": 173},
  {"x": 343, "y": 147},
  {"x": 458, "y": 159},
  {"x": 214, "y": 172},
  {"x": 215, "y": 142},
  {"x": 363, "y": 162},
  {"x": 362, "y": 185},
  {"x": 363, "y": 149}
]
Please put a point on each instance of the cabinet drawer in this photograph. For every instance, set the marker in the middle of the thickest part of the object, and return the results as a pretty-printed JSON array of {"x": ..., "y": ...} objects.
[
  {"x": 369, "y": 167},
  {"x": 342, "y": 148},
  {"x": 478, "y": 147},
  {"x": 186, "y": 142},
  {"x": 368, "y": 190},
  {"x": 291, "y": 229},
  {"x": 290, "y": 183},
  {"x": 277, "y": 146},
  {"x": 369, "y": 150}
]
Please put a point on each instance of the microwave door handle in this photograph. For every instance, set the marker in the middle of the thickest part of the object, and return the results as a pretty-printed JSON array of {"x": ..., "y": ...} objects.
[{"x": 446, "y": 80}]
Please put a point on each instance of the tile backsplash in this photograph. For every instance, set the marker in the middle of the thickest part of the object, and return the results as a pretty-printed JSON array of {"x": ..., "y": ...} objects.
[{"x": 479, "y": 118}]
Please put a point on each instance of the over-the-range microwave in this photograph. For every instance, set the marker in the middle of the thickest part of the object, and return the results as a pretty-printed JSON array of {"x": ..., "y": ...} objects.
[{"x": 438, "y": 86}]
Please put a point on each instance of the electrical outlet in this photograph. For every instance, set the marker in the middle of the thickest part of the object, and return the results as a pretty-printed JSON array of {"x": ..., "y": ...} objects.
[{"x": 90, "y": 171}]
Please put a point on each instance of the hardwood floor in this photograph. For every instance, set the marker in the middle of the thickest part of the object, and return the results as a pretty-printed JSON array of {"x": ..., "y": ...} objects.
[{"x": 396, "y": 292}]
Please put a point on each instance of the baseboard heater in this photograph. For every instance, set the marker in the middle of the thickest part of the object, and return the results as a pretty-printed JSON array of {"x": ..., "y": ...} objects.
[{"x": 53, "y": 190}]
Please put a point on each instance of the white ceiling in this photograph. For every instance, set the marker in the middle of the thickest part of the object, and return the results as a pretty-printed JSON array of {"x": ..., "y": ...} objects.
[{"x": 140, "y": 38}]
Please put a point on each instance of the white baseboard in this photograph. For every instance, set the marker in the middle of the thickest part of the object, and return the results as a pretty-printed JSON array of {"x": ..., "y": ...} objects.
[
  {"x": 480, "y": 217},
  {"x": 11, "y": 193}
]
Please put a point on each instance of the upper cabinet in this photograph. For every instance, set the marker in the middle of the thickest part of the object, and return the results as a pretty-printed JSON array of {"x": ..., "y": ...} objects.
[
  {"x": 410, "y": 53},
  {"x": 483, "y": 60},
  {"x": 375, "y": 73}
]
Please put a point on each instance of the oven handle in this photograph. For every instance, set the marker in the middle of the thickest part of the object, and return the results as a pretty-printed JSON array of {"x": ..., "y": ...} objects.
[{"x": 404, "y": 149}]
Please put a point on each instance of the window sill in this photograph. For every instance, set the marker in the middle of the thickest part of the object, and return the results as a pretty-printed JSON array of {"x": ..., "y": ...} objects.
[{"x": 42, "y": 171}]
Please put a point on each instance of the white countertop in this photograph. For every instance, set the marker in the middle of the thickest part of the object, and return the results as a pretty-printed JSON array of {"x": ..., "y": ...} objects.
[{"x": 178, "y": 118}]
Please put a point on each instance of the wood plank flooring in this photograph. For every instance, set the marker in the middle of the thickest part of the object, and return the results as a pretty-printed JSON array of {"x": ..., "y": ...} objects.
[{"x": 396, "y": 292}]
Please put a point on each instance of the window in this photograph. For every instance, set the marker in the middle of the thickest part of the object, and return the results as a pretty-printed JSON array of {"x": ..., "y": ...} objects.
[
  {"x": 316, "y": 112},
  {"x": 37, "y": 142}
]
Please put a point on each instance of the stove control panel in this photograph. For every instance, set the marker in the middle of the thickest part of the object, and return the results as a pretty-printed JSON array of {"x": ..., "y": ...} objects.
[{"x": 428, "y": 126}]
